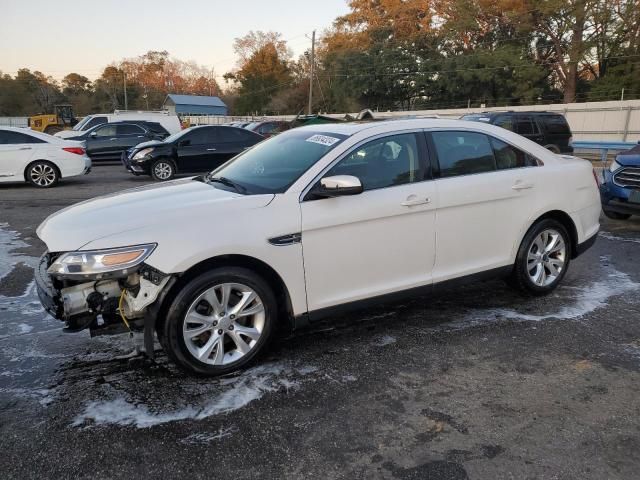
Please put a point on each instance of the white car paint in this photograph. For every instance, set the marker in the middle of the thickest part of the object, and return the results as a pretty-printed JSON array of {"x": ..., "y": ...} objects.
[
  {"x": 15, "y": 157},
  {"x": 352, "y": 248}
]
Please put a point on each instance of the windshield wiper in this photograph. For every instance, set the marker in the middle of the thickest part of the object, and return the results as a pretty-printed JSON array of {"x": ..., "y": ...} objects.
[{"x": 228, "y": 183}]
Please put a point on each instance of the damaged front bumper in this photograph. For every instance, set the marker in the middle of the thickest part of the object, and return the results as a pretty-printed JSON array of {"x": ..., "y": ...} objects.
[{"x": 104, "y": 305}]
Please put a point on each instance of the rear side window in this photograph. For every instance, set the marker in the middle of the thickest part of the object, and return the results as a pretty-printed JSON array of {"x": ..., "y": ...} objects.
[
  {"x": 525, "y": 126},
  {"x": 203, "y": 136},
  {"x": 232, "y": 134},
  {"x": 508, "y": 156},
  {"x": 556, "y": 124},
  {"x": 15, "y": 138},
  {"x": 463, "y": 153},
  {"x": 129, "y": 130},
  {"x": 505, "y": 121}
]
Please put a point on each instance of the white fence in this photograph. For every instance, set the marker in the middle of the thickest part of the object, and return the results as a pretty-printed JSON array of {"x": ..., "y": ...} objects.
[
  {"x": 595, "y": 121},
  {"x": 14, "y": 121}
]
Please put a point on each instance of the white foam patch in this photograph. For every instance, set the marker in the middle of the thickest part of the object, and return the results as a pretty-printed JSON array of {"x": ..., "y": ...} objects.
[
  {"x": 581, "y": 301},
  {"x": 384, "y": 341},
  {"x": 610, "y": 236},
  {"x": 241, "y": 391},
  {"x": 10, "y": 241}
]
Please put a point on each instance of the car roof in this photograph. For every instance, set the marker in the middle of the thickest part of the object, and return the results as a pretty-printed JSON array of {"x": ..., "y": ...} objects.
[
  {"x": 27, "y": 131},
  {"x": 514, "y": 112},
  {"x": 390, "y": 125}
]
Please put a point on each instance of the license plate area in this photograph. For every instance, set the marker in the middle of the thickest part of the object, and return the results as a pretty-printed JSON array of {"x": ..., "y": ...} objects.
[{"x": 634, "y": 197}]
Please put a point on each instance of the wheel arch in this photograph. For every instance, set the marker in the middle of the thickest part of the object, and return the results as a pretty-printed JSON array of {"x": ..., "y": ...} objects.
[
  {"x": 268, "y": 273},
  {"x": 26, "y": 168},
  {"x": 562, "y": 217}
]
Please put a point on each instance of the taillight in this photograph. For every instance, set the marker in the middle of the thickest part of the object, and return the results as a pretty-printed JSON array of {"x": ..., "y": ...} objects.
[{"x": 76, "y": 150}]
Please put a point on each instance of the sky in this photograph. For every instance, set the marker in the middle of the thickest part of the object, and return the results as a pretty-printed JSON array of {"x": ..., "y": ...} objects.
[{"x": 57, "y": 38}]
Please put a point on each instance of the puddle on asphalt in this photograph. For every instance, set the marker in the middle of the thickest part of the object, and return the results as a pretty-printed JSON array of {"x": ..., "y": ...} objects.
[
  {"x": 41, "y": 366},
  {"x": 228, "y": 395},
  {"x": 611, "y": 236},
  {"x": 576, "y": 301}
]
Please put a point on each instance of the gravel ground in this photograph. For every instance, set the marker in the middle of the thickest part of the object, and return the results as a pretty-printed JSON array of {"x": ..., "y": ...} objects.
[{"x": 468, "y": 384}]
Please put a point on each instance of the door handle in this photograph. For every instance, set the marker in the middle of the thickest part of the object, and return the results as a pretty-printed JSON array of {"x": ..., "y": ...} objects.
[
  {"x": 211, "y": 149},
  {"x": 414, "y": 200},
  {"x": 522, "y": 186},
  {"x": 25, "y": 148},
  {"x": 113, "y": 139}
]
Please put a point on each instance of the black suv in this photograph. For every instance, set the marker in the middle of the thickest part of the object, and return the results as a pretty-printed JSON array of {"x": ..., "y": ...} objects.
[
  {"x": 108, "y": 140},
  {"x": 548, "y": 129}
]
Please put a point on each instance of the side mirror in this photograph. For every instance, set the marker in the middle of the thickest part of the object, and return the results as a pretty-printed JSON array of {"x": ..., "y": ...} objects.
[
  {"x": 338, "y": 186},
  {"x": 93, "y": 134},
  {"x": 184, "y": 143}
]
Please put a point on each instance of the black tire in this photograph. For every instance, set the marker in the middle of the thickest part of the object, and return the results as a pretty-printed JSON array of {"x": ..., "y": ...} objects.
[
  {"x": 520, "y": 277},
  {"x": 552, "y": 148},
  {"x": 171, "y": 334},
  {"x": 42, "y": 174},
  {"x": 52, "y": 130},
  {"x": 616, "y": 215},
  {"x": 163, "y": 170}
]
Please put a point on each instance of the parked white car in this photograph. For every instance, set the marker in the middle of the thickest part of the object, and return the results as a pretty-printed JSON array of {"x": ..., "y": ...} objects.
[
  {"x": 171, "y": 123},
  {"x": 311, "y": 222},
  {"x": 38, "y": 158}
]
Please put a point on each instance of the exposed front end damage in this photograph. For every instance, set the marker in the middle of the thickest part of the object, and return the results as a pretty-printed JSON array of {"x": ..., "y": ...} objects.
[{"x": 103, "y": 304}]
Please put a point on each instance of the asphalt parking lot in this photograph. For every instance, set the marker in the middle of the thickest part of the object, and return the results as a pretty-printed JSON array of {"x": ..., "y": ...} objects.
[{"x": 479, "y": 382}]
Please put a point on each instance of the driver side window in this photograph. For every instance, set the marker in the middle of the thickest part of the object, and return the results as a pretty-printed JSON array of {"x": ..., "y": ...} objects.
[
  {"x": 106, "y": 131},
  {"x": 385, "y": 162}
]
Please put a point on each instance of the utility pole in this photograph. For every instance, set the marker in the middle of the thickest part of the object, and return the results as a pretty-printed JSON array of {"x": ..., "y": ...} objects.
[
  {"x": 124, "y": 81},
  {"x": 313, "y": 63}
]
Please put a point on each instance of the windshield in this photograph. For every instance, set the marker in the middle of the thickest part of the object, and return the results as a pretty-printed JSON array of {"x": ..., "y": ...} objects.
[
  {"x": 273, "y": 165},
  {"x": 78, "y": 126}
]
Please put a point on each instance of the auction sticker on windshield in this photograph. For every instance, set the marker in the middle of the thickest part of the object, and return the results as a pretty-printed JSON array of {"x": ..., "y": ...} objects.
[{"x": 323, "y": 140}]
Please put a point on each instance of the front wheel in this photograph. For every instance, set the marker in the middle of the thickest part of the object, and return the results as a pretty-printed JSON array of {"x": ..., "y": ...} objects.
[
  {"x": 543, "y": 258},
  {"x": 219, "y": 322},
  {"x": 616, "y": 215},
  {"x": 163, "y": 170}
]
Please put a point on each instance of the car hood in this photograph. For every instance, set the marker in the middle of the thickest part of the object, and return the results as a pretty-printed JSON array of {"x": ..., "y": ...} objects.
[
  {"x": 150, "y": 143},
  {"x": 172, "y": 205},
  {"x": 629, "y": 160}
]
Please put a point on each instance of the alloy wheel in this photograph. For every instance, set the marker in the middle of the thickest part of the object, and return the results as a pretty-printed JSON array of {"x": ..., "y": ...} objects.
[
  {"x": 42, "y": 175},
  {"x": 224, "y": 323},
  {"x": 163, "y": 170},
  {"x": 546, "y": 257}
]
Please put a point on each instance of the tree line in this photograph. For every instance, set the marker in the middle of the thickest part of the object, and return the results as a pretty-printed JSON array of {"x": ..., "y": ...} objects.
[{"x": 389, "y": 55}]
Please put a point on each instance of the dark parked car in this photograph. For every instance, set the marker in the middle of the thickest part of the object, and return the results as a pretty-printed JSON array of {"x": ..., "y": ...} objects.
[
  {"x": 620, "y": 189},
  {"x": 194, "y": 150},
  {"x": 548, "y": 129},
  {"x": 109, "y": 140},
  {"x": 268, "y": 129}
]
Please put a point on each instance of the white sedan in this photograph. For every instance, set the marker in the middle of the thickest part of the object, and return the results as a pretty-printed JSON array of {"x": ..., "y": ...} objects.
[
  {"x": 310, "y": 223},
  {"x": 38, "y": 158}
]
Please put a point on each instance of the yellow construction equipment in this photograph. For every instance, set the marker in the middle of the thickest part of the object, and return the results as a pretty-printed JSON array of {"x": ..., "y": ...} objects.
[{"x": 62, "y": 119}]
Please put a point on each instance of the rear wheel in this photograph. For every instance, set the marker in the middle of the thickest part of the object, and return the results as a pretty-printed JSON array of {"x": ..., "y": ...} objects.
[
  {"x": 616, "y": 215},
  {"x": 42, "y": 174},
  {"x": 543, "y": 258},
  {"x": 163, "y": 170},
  {"x": 52, "y": 130},
  {"x": 219, "y": 322}
]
